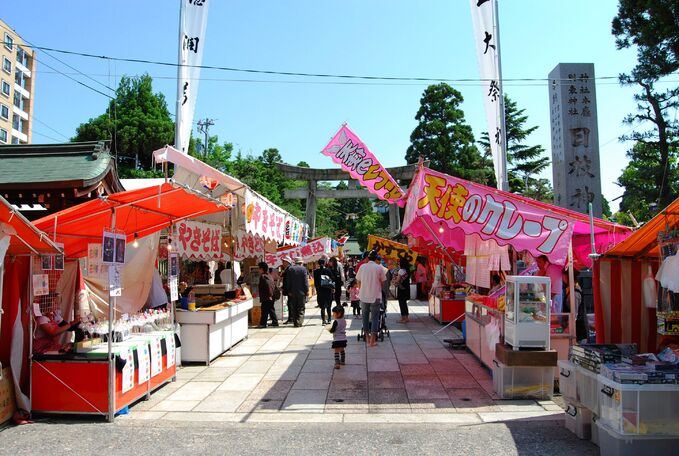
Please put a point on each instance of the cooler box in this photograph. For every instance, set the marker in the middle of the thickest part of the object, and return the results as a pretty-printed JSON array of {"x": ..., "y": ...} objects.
[
  {"x": 578, "y": 420},
  {"x": 567, "y": 380},
  {"x": 612, "y": 443},
  {"x": 519, "y": 382},
  {"x": 648, "y": 409}
]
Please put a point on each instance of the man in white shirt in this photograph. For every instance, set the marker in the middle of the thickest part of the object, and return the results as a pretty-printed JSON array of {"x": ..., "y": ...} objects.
[{"x": 370, "y": 278}]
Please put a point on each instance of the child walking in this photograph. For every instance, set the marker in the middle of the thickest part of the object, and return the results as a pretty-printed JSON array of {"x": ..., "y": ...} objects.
[
  {"x": 339, "y": 335},
  {"x": 353, "y": 297}
]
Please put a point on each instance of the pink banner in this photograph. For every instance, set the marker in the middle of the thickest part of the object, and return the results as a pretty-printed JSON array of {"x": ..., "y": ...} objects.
[
  {"x": 438, "y": 205},
  {"x": 348, "y": 151},
  {"x": 309, "y": 252},
  {"x": 248, "y": 245}
]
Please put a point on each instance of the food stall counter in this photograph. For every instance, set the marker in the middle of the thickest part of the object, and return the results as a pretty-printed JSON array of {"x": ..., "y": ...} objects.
[{"x": 210, "y": 331}]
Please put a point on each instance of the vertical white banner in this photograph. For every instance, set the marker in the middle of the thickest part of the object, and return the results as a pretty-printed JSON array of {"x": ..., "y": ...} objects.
[
  {"x": 192, "y": 25},
  {"x": 487, "y": 42}
]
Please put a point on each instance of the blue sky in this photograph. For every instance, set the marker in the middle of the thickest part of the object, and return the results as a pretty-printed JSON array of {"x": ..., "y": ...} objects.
[{"x": 426, "y": 38}]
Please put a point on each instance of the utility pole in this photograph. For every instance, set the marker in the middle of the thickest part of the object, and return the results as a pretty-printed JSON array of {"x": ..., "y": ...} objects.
[{"x": 204, "y": 126}]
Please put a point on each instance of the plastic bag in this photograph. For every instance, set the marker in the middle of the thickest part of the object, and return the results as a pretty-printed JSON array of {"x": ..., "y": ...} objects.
[{"x": 649, "y": 291}]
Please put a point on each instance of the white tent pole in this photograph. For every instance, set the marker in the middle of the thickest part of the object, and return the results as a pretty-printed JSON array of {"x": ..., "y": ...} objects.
[{"x": 111, "y": 368}]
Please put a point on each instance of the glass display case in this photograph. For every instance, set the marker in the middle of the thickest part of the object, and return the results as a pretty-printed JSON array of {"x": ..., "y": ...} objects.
[{"x": 527, "y": 319}]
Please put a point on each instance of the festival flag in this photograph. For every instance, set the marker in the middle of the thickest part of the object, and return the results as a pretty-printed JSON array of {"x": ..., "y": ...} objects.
[
  {"x": 487, "y": 42},
  {"x": 192, "y": 25},
  {"x": 348, "y": 151}
]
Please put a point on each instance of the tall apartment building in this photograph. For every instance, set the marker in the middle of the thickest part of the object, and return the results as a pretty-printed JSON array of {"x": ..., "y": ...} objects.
[{"x": 17, "y": 82}]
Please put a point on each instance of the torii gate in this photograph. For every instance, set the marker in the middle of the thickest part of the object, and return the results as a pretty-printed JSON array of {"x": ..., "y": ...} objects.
[{"x": 311, "y": 193}]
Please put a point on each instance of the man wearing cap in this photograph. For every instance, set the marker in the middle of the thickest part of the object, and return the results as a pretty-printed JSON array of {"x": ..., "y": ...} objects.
[
  {"x": 296, "y": 284},
  {"x": 370, "y": 278}
]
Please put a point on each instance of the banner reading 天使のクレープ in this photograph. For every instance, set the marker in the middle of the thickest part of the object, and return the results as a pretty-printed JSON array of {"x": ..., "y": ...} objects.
[
  {"x": 348, "y": 151},
  {"x": 439, "y": 204}
]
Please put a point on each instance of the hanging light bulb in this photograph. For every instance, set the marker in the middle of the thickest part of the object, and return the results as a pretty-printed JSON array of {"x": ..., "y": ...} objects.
[
  {"x": 440, "y": 227},
  {"x": 169, "y": 244},
  {"x": 135, "y": 244}
]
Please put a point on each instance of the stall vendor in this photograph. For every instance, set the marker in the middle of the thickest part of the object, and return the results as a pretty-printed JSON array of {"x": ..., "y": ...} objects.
[
  {"x": 546, "y": 269},
  {"x": 496, "y": 282},
  {"x": 50, "y": 327}
]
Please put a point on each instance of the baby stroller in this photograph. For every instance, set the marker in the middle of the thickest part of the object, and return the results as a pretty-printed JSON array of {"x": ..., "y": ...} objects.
[{"x": 382, "y": 328}]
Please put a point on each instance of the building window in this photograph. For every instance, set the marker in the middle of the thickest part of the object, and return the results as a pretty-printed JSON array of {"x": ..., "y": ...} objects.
[
  {"x": 4, "y": 111},
  {"x": 5, "y": 87},
  {"x": 17, "y": 100},
  {"x": 22, "y": 57},
  {"x": 7, "y": 65},
  {"x": 9, "y": 41},
  {"x": 15, "y": 140},
  {"x": 3, "y": 135},
  {"x": 16, "y": 122}
]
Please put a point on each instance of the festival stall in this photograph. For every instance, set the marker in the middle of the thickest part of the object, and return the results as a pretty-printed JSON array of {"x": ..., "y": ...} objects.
[
  {"x": 481, "y": 222},
  {"x": 253, "y": 230},
  {"x": 625, "y": 389},
  {"x": 121, "y": 352},
  {"x": 20, "y": 242}
]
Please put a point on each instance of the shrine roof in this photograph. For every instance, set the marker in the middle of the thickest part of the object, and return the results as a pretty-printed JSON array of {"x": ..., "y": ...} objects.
[{"x": 78, "y": 164}]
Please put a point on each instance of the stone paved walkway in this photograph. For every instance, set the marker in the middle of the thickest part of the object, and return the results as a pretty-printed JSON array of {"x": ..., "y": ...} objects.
[{"x": 286, "y": 374}]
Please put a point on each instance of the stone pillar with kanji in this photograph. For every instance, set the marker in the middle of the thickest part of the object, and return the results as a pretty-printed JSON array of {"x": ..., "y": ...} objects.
[{"x": 575, "y": 137}]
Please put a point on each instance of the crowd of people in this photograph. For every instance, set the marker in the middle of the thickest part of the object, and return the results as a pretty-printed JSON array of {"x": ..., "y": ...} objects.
[{"x": 365, "y": 284}]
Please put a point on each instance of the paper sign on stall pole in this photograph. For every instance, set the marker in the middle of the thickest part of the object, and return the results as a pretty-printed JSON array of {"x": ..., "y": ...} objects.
[{"x": 114, "y": 282}]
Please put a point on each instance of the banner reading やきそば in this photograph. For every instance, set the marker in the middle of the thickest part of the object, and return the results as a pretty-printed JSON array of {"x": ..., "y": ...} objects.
[{"x": 348, "y": 151}]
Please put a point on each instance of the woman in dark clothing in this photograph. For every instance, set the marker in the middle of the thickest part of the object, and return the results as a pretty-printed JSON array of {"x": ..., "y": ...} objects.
[
  {"x": 338, "y": 270},
  {"x": 402, "y": 281},
  {"x": 324, "y": 281}
]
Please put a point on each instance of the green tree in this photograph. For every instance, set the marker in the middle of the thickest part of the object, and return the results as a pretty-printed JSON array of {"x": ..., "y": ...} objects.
[
  {"x": 443, "y": 137},
  {"x": 523, "y": 161},
  {"x": 136, "y": 121},
  {"x": 641, "y": 192},
  {"x": 652, "y": 27},
  {"x": 370, "y": 223}
]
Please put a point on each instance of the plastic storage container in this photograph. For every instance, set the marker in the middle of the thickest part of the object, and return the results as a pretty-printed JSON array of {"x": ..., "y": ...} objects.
[
  {"x": 519, "y": 382},
  {"x": 567, "y": 381},
  {"x": 612, "y": 443},
  {"x": 595, "y": 430},
  {"x": 588, "y": 389},
  {"x": 631, "y": 409},
  {"x": 578, "y": 420}
]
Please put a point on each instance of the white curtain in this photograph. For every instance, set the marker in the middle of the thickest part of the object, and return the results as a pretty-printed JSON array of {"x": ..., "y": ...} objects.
[{"x": 136, "y": 277}]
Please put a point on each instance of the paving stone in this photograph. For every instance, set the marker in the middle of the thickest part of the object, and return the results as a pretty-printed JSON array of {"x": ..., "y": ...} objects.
[
  {"x": 194, "y": 391},
  {"x": 319, "y": 365},
  {"x": 347, "y": 384},
  {"x": 312, "y": 381},
  {"x": 350, "y": 372},
  {"x": 459, "y": 380},
  {"x": 447, "y": 366},
  {"x": 222, "y": 402},
  {"x": 392, "y": 397},
  {"x": 259, "y": 406},
  {"x": 383, "y": 365},
  {"x": 214, "y": 374},
  {"x": 229, "y": 360},
  {"x": 409, "y": 370},
  {"x": 352, "y": 396},
  {"x": 174, "y": 406},
  {"x": 241, "y": 382},
  {"x": 379, "y": 380},
  {"x": 471, "y": 394},
  {"x": 305, "y": 400}
]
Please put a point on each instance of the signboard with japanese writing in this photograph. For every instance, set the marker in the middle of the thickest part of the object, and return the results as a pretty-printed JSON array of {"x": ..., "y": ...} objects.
[
  {"x": 268, "y": 221},
  {"x": 444, "y": 208},
  {"x": 348, "y": 151},
  {"x": 575, "y": 137},
  {"x": 387, "y": 248},
  {"x": 197, "y": 241},
  {"x": 310, "y": 252},
  {"x": 247, "y": 245}
]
